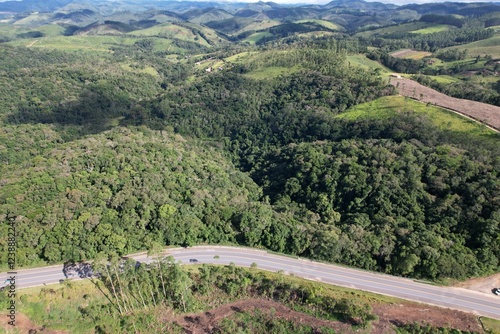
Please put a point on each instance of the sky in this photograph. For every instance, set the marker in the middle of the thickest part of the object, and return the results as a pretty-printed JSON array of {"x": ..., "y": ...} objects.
[{"x": 397, "y": 2}]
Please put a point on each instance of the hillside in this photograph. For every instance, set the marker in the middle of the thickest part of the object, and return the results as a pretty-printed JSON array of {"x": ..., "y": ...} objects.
[
  {"x": 133, "y": 126},
  {"x": 254, "y": 121}
]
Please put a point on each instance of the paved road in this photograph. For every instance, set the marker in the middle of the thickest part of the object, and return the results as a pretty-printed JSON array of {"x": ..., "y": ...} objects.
[{"x": 457, "y": 298}]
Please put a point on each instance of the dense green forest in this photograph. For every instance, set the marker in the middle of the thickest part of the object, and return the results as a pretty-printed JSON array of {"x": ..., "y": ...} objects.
[{"x": 114, "y": 152}]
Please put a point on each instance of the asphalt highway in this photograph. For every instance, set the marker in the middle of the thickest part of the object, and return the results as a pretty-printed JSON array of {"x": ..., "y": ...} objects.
[{"x": 456, "y": 298}]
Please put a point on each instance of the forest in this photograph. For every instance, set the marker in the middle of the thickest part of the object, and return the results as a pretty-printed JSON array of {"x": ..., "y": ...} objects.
[
  {"x": 105, "y": 159},
  {"x": 136, "y": 126}
]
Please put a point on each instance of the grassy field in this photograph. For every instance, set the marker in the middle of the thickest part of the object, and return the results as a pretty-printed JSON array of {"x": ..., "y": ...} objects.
[
  {"x": 492, "y": 325},
  {"x": 430, "y": 30},
  {"x": 147, "y": 70},
  {"x": 389, "y": 106},
  {"x": 326, "y": 24},
  {"x": 361, "y": 61},
  {"x": 88, "y": 43},
  {"x": 239, "y": 57},
  {"x": 419, "y": 55},
  {"x": 254, "y": 38},
  {"x": 444, "y": 78},
  {"x": 33, "y": 18},
  {"x": 57, "y": 306},
  {"x": 271, "y": 72},
  {"x": 489, "y": 46},
  {"x": 410, "y": 54},
  {"x": 258, "y": 25},
  {"x": 49, "y": 30},
  {"x": 167, "y": 30},
  {"x": 406, "y": 27},
  {"x": 316, "y": 34}
]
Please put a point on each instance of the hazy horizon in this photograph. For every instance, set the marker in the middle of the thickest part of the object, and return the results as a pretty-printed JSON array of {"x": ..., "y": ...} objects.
[{"x": 315, "y": 2}]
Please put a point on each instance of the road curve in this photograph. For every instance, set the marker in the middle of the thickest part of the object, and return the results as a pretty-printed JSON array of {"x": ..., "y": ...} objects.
[{"x": 456, "y": 298}]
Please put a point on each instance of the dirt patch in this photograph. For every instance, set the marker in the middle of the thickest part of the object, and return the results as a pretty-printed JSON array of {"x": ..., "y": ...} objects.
[
  {"x": 407, "y": 313},
  {"x": 483, "y": 284},
  {"x": 409, "y": 53},
  {"x": 402, "y": 53},
  {"x": 389, "y": 316},
  {"x": 24, "y": 325},
  {"x": 481, "y": 112},
  {"x": 201, "y": 323}
]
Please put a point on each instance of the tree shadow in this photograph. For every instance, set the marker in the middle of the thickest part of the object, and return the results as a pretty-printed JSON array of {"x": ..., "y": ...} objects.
[{"x": 97, "y": 109}]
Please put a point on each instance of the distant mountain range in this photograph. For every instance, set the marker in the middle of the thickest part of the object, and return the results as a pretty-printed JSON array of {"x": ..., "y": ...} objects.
[
  {"x": 107, "y": 6},
  {"x": 226, "y": 17}
]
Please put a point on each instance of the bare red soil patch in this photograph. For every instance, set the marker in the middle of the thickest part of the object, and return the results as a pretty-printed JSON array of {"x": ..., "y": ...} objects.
[
  {"x": 390, "y": 315},
  {"x": 408, "y": 313},
  {"x": 206, "y": 322},
  {"x": 482, "y": 284},
  {"x": 482, "y": 112},
  {"x": 24, "y": 325}
]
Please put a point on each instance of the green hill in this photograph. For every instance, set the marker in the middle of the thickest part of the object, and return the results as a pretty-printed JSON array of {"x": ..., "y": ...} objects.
[
  {"x": 390, "y": 106},
  {"x": 182, "y": 185}
]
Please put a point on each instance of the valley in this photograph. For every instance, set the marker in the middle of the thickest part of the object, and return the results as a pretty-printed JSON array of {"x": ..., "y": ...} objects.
[{"x": 332, "y": 132}]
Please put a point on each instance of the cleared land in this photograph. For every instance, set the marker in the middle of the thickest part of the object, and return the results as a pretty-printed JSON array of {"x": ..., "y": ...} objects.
[
  {"x": 389, "y": 106},
  {"x": 489, "y": 46},
  {"x": 326, "y": 24},
  {"x": 258, "y": 25},
  {"x": 362, "y": 61},
  {"x": 483, "y": 284},
  {"x": 254, "y": 38},
  {"x": 482, "y": 112},
  {"x": 411, "y": 54},
  {"x": 388, "y": 314},
  {"x": 430, "y": 30}
]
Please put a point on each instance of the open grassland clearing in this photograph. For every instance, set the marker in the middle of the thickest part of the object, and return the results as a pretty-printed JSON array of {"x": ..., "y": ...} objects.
[
  {"x": 410, "y": 54},
  {"x": 239, "y": 57},
  {"x": 465, "y": 63},
  {"x": 205, "y": 34},
  {"x": 258, "y": 25},
  {"x": 323, "y": 23},
  {"x": 444, "y": 78},
  {"x": 49, "y": 30},
  {"x": 492, "y": 325},
  {"x": 272, "y": 72},
  {"x": 57, "y": 306},
  {"x": 389, "y": 106},
  {"x": 169, "y": 30},
  {"x": 433, "y": 29},
  {"x": 33, "y": 18},
  {"x": 485, "y": 113},
  {"x": 91, "y": 43},
  {"x": 489, "y": 46},
  {"x": 316, "y": 34},
  {"x": 135, "y": 69},
  {"x": 362, "y": 61},
  {"x": 254, "y": 38},
  {"x": 405, "y": 27}
]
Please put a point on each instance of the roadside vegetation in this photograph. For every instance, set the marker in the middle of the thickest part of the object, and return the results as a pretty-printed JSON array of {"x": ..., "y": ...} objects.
[
  {"x": 166, "y": 296},
  {"x": 279, "y": 132}
]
